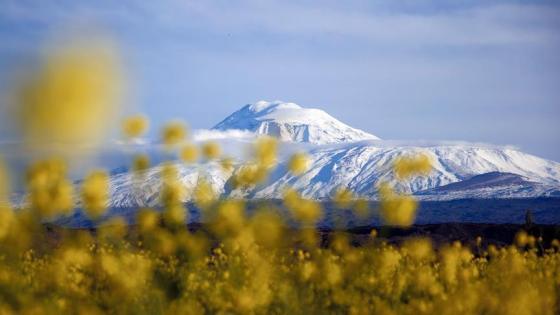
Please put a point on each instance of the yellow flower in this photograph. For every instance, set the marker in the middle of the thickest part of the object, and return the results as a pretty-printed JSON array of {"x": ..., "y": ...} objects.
[
  {"x": 308, "y": 269},
  {"x": 175, "y": 214},
  {"x": 361, "y": 208},
  {"x": 266, "y": 149},
  {"x": 211, "y": 150},
  {"x": 333, "y": 273},
  {"x": 396, "y": 209},
  {"x": 76, "y": 256},
  {"x": 343, "y": 198},
  {"x": 95, "y": 193},
  {"x": 249, "y": 175},
  {"x": 6, "y": 221},
  {"x": 267, "y": 227},
  {"x": 298, "y": 163},
  {"x": 74, "y": 95},
  {"x": 168, "y": 172},
  {"x": 195, "y": 244},
  {"x": 165, "y": 243},
  {"x": 113, "y": 228},
  {"x": 522, "y": 239},
  {"x": 204, "y": 195},
  {"x": 127, "y": 272},
  {"x": 230, "y": 218},
  {"x": 4, "y": 183},
  {"x": 227, "y": 164},
  {"x": 140, "y": 163},
  {"x": 189, "y": 153},
  {"x": 147, "y": 220},
  {"x": 418, "y": 248},
  {"x": 405, "y": 167},
  {"x": 50, "y": 193},
  {"x": 173, "y": 192},
  {"x": 304, "y": 210},
  {"x": 135, "y": 126},
  {"x": 174, "y": 133}
]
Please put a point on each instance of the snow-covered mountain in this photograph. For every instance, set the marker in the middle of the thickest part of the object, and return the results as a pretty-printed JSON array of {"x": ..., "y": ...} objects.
[
  {"x": 341, "y": 156},
  {"x": 291, "y": 122},
  {"x": 489, "y": 185},
  {"x": 360, "y": 167}
]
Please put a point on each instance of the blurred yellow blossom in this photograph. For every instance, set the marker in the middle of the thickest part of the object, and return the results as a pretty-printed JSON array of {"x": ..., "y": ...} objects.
[
  {"x": 343, "y": 198},
  {"x": 396, "y": 209},
  {"x": 204, "y": 195},
  {"x": 127, "y": 271},
  {"x": 175, "y": 214},
  {"x": 95, "y": 193},
  {"x": 140, "y": 163},
  {"x": 6, "y": 220},
  {"x": 135, "y": 126},
  {"x": 4, "y": 183},
  {"x": 75, "y": 93},
  {"x": 266, "y": 149},
  {"x": 50, "y": 193},
  {"x": 189, "y": 153},
  {"x": 173, "y": 192},
  {"x": 418, "y": 248},
  {"x": 362, "y": 208},
  {"x": 267, "y": 227},
  {"x": 211, "y": 150},
  {"x": 174, "y": 133},
  {"x": 304, "y": 210},
  {"x": 298, "y": 163},
  {"x": 249, "y": 175},
  {"x": 408, "y": 166},
  {"x": 113, "y": 228},
  {"x": 230, "y": 218},
  {"x": 521, "y": 239},
  {"x": 227, "y": 164},
  {"x": 147, "y": 219}
]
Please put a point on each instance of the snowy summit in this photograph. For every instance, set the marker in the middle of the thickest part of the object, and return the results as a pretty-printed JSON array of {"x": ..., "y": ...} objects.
[{"x": 291, "y": 122}]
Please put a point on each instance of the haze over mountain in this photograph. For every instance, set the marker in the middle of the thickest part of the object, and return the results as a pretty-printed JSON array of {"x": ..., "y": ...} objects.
[{"x": 341, "y": 156}]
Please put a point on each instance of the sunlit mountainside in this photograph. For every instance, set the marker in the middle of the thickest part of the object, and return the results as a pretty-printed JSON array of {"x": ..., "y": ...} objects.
[{"x": 341, "y": 156}]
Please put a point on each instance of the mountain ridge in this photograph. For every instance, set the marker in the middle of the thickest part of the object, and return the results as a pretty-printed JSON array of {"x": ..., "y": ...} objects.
[
  {"x": 346, "y": 157},
  {"x": 345, "y": 161}
]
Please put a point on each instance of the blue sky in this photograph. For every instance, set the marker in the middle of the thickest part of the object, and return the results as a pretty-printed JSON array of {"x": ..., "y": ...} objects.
[{"x": 483, "y": 71}]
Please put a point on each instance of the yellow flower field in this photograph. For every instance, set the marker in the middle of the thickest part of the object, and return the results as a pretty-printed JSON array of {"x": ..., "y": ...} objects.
[{"x": 237, "y": 263}]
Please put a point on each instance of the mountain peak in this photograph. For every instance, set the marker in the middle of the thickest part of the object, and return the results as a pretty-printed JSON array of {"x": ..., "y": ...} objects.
[
  {"x": 292, "y": 122},
  {"x": 271, "y": 106}
]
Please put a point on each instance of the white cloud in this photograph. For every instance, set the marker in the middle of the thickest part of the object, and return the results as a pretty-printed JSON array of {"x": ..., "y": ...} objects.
[
  {"x": 202, "y": 135},
  {"x": 479, "y": 25}
]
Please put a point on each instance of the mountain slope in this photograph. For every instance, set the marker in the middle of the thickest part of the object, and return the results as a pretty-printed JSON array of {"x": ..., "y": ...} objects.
[
  {"x": 291, "y": 122},
  {"x": 360, "y": 167},
  {"x": 341, "y": 156},
  {"x": 489, "y": 185},
  {"x": 487, "y": 180}
]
